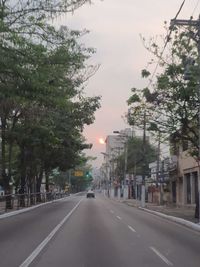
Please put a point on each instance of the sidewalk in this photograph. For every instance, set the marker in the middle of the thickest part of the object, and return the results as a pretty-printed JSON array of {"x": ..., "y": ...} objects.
[
  {"x": 15, "y": 211},
  {"x": 186, "y": 212}
]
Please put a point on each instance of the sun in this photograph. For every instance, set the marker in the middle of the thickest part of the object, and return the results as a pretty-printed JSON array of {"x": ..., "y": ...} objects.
[{"x": 101, "y": 141}]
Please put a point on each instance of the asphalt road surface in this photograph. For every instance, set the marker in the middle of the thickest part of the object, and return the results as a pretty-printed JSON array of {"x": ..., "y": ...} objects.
[{"x": 81, "y": 232}]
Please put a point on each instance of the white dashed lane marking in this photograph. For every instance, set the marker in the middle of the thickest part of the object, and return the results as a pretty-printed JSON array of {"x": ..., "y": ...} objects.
[
  {"x": 131, "y": 228},
  {"x": 163, "y": 258},
  {"x": 118, "y": 217}
]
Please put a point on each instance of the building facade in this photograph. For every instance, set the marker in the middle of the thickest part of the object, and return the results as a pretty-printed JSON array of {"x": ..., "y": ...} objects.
[
  {"x": 184, "y": 172},
  {"x": 158, "y": 182}
]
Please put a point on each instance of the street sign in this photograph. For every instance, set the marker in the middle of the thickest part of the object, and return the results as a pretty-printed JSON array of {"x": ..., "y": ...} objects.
[{"x": 78, "y": 173}]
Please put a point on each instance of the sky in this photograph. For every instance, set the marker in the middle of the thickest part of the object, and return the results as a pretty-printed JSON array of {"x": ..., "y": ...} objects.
[{"x": 115, "y": 29}]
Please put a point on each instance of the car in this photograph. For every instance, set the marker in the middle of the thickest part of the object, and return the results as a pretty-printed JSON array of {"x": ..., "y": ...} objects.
[{"x": 90, "y": 194}]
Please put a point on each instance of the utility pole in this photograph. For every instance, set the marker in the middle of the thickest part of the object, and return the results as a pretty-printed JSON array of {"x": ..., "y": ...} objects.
[
  {"x": 196, "y": 37},
  {"x": 158, "y": 159},
  {"x": 144, "y": 161},
  {"x": 158, "y": 170},
  {"x": 125, "y": 160}
]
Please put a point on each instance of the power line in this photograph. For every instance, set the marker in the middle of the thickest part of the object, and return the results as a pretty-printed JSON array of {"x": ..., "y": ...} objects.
[
  {"x": 166, "y": 42},
  {"x": 180, "y": 9},
  {"x": 195, "y": 8}
]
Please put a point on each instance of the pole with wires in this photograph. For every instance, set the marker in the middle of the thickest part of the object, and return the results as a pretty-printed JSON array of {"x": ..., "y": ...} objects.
[
  {"x": 144, "y": 161},
  {"x": 196, "y": 24},
  {"x": 198, "y": 204}
]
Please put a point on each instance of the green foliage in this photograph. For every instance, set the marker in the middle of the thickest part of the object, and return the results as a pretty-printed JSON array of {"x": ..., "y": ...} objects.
[
  {"x": 83, "y": 182},
  {"x": 134, "y": 98},
  {"x": 153, "y": 127},
  {"x": 135, "y": 159},
  {"x": 145, "y": 73},
  {"x": 176, "y": 102},
  {"x": 43, "y": 109}
]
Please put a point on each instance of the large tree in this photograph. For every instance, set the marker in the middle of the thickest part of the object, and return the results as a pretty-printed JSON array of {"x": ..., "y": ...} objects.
[
  {"x": 135, "y": 157},
  {"x": 173, "y": 98},
  {"x": 42, "y": 74}
]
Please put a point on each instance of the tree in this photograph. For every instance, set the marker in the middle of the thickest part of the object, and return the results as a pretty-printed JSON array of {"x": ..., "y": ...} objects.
[
  {"x": 135, "y": 157},
  {"x": 176, "y": 90},
  {"x": 81, "y": 183},
  {"x": 42, "y": 105},
  {"x": 142, "y": 115}
]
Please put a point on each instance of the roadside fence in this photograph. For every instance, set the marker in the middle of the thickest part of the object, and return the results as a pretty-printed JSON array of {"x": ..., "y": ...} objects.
[{"x": 18, "y": 201}]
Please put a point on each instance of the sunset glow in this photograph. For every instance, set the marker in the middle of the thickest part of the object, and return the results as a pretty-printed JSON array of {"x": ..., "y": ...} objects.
[{"x": 101, "y": 141}]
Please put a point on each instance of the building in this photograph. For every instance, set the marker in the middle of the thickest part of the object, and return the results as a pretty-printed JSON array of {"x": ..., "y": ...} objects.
[
  {"x": 158, "y": 184},
  {"x": 183, "y": 170},
  {"x": 115, "y": 146}
]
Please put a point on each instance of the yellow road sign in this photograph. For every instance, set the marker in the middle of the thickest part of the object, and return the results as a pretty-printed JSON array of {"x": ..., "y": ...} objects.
[{"x": 78, "y": 173}]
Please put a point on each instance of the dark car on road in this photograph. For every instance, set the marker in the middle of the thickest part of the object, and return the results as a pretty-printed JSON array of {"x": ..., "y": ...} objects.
[{"x": 90, "y": 194}]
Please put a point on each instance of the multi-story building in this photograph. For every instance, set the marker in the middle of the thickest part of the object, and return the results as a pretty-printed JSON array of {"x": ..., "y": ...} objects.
[
  {"x": 115, "y": 146},
  {"x": 183, "y": 174}
]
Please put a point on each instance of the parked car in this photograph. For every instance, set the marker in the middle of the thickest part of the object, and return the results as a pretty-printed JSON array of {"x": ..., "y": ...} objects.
[{"x": 90, "y": 194}]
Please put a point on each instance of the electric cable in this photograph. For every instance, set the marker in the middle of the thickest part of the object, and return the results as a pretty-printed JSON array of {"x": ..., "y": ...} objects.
[
  {"x": 165, "y": 45},
  {"x": 195, "y": 8}
]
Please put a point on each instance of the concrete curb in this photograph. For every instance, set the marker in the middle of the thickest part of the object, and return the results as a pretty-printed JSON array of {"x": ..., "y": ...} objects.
[
  {"x": 135, "y": 205},
  {"x": 16, "y": 212},
  {"x": 181, "y": 221}
]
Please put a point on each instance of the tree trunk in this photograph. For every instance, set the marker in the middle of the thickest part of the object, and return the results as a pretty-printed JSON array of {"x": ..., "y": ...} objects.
[
  {"x": 23, "y": 178},
  {"x": 47, "y": 181},
  {"x": 10, "y": 149},
  {"x": 38, "y": 185},
  {"x": 49, "y": 194},
  {"x": 5, "y": 177}
]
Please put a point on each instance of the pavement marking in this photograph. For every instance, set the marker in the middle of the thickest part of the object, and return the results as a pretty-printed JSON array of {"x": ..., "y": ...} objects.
[
  {"x": 178, "y": 221},
  {"x": 41, "y": 246},
  {"x": 169, "y": 263},
  {"x": 23, "y": 210},
  {"x": 131, "y": 228},
  {"x": 118, "y": 217}
]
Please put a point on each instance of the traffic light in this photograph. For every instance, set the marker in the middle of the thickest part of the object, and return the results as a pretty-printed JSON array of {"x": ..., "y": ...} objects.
[{"x": 88, "y": 174}]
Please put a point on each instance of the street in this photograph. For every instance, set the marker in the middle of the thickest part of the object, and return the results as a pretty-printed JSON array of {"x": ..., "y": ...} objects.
[{"x": 81, "y": 232}]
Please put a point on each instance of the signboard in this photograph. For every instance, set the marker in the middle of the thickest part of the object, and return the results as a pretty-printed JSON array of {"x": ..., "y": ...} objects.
[{"x": 78, "y": 173}]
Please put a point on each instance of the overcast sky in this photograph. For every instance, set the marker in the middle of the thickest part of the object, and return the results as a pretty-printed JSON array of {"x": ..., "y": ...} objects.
[{"x": 115, "y": 27}]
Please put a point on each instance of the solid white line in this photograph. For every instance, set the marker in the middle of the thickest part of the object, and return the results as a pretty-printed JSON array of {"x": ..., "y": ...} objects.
[
  {"x": 119, "y": 218},
  {"x": 161, "y": 256},
  {"x": 36, "y": 252},
  {"x": 131, "y": 228},
  {"x": 179, "y": 221},
  {"x": 23, "y": 210}
]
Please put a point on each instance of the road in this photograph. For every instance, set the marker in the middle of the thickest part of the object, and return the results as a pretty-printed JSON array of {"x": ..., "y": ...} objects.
[{"x": 80, "y": 232}]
